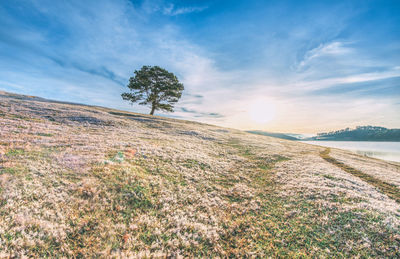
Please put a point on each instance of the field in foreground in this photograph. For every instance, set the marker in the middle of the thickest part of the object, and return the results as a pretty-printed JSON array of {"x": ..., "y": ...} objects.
[{"x": 81, "y": 181}]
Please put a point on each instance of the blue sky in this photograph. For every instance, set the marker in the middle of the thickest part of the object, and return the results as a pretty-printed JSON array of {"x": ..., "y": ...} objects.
[{"x": 289, "y": 66}]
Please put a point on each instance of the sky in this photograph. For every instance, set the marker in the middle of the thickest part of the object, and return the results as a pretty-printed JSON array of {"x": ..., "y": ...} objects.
[{"x": 282, "y": 66}]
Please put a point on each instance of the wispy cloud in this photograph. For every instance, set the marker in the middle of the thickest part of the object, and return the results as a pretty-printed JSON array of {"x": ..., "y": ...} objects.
[
  {"x": 199, "y": 114},
  {"x": 334, "y": 49},
  {"x": 172, "y": 10},
  {"x": 312, "y": 85}
]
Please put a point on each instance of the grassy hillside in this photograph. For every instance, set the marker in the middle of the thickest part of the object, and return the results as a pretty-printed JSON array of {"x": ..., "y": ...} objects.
[{"x": 80, "y": 181}]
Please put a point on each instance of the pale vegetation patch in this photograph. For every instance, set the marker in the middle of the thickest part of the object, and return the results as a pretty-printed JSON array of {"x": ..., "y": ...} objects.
[{"x": 79, "y": 181}]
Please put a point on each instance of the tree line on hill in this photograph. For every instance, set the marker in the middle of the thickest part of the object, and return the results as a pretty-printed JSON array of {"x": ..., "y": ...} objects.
[{"x": 361, "y": 133}]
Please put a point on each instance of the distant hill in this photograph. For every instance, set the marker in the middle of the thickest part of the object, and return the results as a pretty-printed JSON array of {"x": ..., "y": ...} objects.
[
  {"x": 272, "y": 134},
  {"x": 360, "y": 133}
]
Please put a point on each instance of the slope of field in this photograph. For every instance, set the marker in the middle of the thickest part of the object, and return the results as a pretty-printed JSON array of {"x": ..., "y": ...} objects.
[{"x": 82, "y": 181}]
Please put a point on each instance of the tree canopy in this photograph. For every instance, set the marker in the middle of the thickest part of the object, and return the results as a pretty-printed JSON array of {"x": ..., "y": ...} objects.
[{"x": 155, "y": 87}]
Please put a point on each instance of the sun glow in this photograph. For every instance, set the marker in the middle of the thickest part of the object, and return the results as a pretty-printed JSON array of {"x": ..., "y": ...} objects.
[{"x": 261, "y": 111}]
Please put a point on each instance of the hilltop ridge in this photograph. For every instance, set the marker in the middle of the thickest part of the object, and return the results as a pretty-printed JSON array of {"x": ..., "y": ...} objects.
[
  {"x": 88, "y": 181},
  {"x": 361, "y": 133}
]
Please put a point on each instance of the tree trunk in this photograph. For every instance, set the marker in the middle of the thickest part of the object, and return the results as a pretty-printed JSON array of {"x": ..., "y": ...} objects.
[{"x": 153, "y": 108}]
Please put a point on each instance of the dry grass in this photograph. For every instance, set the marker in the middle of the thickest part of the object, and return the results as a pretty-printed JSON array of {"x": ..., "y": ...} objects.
[
  {"x": 389, "y": 189},
  {"x": 80, "y": 181}
]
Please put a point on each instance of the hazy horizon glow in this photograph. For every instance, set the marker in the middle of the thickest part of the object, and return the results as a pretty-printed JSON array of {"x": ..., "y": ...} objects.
[{"x": 284, "y": 66}]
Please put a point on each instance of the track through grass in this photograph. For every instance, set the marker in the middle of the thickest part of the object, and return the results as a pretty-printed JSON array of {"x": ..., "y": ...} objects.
[{"x": 389, "y": 189}]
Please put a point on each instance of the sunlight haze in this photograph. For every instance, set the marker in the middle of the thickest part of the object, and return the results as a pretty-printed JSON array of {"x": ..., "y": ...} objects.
[{"x": 287, "y": 66}]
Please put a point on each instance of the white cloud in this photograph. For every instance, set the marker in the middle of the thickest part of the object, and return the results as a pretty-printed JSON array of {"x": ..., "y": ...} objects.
[
  {"x": 334, "y": 49},
  {"x": 311, "y": 85},
  {"x": 172, "y": 10}
]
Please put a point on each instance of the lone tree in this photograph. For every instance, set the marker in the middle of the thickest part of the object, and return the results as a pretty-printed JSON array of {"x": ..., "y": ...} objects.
[{"x": 156, "y": 87}]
